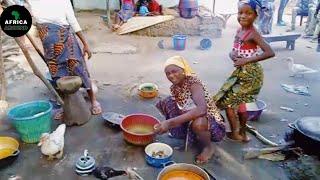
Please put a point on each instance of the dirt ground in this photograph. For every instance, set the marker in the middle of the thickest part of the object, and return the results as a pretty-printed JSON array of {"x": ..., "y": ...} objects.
[{"x": 120, "y": 74}]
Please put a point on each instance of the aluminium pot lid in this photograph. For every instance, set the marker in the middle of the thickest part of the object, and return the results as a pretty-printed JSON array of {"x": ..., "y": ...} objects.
[{"x": 309, "y": 126}]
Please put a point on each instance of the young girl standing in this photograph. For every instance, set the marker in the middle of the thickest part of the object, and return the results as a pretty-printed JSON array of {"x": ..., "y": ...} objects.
[{"x": 245, "y": 82}]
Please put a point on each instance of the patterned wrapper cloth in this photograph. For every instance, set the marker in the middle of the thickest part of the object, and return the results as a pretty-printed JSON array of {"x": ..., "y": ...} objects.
[{"x": 62, "y": 53}]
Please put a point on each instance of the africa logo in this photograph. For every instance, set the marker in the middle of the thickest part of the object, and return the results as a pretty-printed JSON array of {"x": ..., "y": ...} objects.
[{"x": 16, "y": 21}]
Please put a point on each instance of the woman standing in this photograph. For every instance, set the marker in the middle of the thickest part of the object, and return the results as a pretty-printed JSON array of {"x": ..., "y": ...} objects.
[
  {"x": 58, "y": 27},
  {"x": 190, "y": 112}
]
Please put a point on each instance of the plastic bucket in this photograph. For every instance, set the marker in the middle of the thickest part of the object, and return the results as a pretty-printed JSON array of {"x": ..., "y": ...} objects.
[
  {"x": 179, "y": 42},
  {"x": 31, "y": 119}
]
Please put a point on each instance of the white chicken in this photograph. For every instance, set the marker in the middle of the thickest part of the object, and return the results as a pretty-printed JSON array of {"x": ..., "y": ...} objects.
[
  {"x": 299, "y": 68},
  {"x": 52, "y": 144}
]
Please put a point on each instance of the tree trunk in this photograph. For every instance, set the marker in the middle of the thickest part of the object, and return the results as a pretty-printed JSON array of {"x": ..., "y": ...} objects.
[{"x": 2, "y": 73}]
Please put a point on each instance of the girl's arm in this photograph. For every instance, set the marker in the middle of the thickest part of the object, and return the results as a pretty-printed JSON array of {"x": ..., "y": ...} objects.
[{"x": 267, "y": 50}]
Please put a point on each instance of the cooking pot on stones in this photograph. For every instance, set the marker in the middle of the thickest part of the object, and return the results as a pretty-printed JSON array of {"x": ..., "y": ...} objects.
[{"x": 307, "y": 134}]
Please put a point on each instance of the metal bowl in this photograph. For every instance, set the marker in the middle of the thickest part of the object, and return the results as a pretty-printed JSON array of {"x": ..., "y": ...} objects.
[
  {"x": 183, "y": 167},
  {"x": 8, "y": 147}
]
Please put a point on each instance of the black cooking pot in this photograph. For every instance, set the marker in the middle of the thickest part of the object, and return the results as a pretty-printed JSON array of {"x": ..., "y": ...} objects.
[
  {"x": 9, "y": 160},
  {"x": 307, "y": 134}
]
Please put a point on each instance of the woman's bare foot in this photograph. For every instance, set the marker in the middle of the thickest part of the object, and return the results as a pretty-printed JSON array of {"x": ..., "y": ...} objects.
[
  {"x": 96, "y": 108},
  {"x": 234, "y": 136},
  {"x": 115, "y": 27},
  {"x": 205, "y": 155},
  {"x": 244, "y": 136}
]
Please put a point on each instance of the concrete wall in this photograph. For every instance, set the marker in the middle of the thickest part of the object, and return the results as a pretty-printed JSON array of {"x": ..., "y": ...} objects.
[
  {"x": 114, "y": 4},
  {"x": 95, "y": 4}
]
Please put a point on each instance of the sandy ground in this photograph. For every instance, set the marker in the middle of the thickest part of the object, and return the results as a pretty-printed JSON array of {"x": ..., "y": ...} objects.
[{"x": 121, "y": 73}]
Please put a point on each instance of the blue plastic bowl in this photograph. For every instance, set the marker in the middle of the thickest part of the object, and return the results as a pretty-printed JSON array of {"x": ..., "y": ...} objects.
[
  {"x": 205, "y": 44},
  {"x": 155, "y": 147},
  {"x": 255, "y": 115}
]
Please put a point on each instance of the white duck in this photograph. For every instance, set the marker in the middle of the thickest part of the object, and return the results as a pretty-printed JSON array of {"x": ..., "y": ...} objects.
[
  {"x": 299, "y": 68},
  {"x": 52, "y": 144}
]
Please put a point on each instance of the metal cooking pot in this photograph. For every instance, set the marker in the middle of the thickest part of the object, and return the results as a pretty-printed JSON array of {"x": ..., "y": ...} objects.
[
  {"x": 113, "y": 119},
  {"x": 183, "y": 167},
  {"x": 8, "y": 147},
  {"x": 306, "y": 134},
  {"x": 308, "y": 126},
  {"x": 9, "y": 151}
]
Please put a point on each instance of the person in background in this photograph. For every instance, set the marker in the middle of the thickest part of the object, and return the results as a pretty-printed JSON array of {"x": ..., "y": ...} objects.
[
  {"x": 246, "y": 80},
  {"x": 153, "y": 7},
  {"x": 312, "y": 20},
  {"x": 283, "y": 4},
  {"x": 126, "y": 12},
  {"x": 64, "y": 55},
  {"x": 143, "y": 9},
  {"x": 304, "y": 6},
  {"x": 265, "y": 17}
]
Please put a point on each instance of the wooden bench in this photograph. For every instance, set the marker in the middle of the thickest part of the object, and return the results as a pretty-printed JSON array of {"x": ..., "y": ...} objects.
[{"x": 290, "y": 38}]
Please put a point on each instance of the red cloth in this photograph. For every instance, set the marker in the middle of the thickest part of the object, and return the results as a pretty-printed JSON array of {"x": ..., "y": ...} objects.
[
  {"x": 154, "y": 6},
  {"x": 242, "y": 108},
  {"x": 126, "y": 1}
]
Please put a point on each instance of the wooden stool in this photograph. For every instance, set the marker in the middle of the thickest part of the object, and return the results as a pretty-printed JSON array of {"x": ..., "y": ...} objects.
[
  {"x": 76, "y": 109},
  {"x": 290, "y": 38}
]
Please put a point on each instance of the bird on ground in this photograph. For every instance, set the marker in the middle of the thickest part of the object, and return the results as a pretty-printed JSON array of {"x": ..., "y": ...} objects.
[{"x": 299, "y": 69}]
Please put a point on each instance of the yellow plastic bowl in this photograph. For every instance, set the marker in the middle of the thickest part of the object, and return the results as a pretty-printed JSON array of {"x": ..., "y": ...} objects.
[{"x": 8, "y": 146}]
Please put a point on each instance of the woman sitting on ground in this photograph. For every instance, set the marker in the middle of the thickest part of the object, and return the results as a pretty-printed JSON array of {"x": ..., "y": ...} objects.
[
  {"x": 63, "y": 55},
  {"x": 153, "y": 7},
  {"x": 127, "y": 11},
  {"x": 190, "y": 109}
]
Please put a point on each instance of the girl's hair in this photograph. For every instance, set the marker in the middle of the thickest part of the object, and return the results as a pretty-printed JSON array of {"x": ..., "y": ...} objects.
[{"x": 140, "y": 3}]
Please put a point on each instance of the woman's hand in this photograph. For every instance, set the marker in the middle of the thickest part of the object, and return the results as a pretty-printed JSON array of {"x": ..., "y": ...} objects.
[
  {"x": 238, "y": 61},
  {"x": 87, "y": 51},
  {"x": 162, "y": 127}
]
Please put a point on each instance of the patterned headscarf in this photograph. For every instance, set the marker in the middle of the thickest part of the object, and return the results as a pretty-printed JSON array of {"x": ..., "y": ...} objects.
[
  {"x": 254, "y": 4},
  {"x": 180, "y": 62}
]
